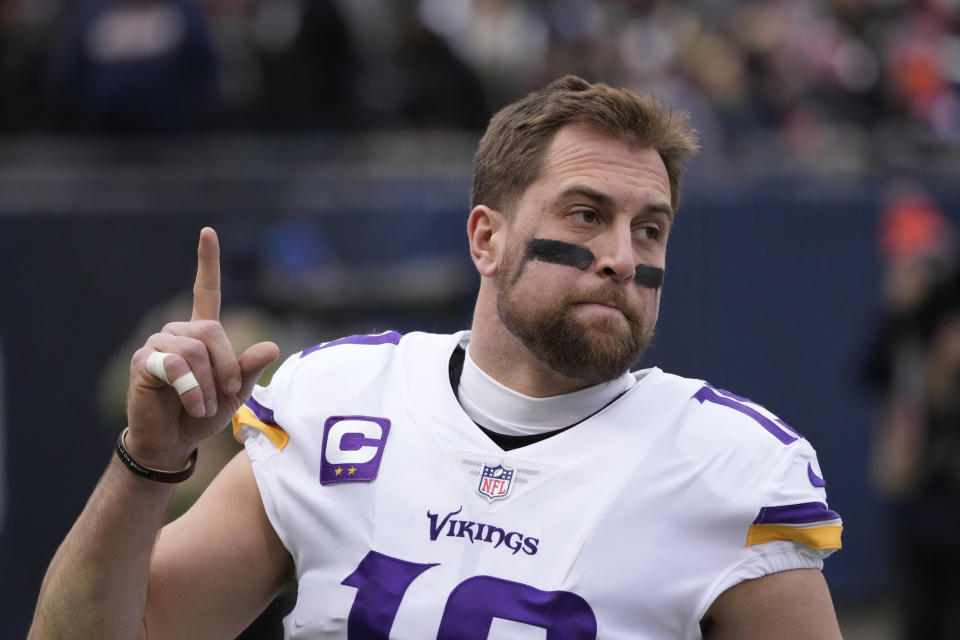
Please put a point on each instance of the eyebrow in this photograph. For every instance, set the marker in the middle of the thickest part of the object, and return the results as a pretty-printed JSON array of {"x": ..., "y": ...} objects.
[{"x": 604, "y": 200}]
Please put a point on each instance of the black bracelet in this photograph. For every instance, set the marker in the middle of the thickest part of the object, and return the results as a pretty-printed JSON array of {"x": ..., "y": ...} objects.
[{"x": 170, "y": 477}]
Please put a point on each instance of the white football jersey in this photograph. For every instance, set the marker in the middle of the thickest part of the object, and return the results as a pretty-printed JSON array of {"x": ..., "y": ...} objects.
[{"x": 404, "y": 520}]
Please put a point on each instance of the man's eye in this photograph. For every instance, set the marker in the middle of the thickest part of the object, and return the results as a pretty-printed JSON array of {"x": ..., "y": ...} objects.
[
  {"x": 585, "y": 216},
  {"x": 649, "y": 233}
]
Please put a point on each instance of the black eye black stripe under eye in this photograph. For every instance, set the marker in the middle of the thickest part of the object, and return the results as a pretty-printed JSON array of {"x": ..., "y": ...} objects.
[
  {"x": 579, "y": 257},
  {"x": 647, "y": 276},
  {"x": 558, "y": 252}
]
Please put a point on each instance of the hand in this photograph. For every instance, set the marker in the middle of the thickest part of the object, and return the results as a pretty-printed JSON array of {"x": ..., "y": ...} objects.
[{"x": 165, "y": 427}]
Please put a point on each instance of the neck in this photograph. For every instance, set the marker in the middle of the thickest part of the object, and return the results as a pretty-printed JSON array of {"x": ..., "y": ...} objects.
[
  {"x": 501, "y": 410},
  {"x": 503, "y": 357}
]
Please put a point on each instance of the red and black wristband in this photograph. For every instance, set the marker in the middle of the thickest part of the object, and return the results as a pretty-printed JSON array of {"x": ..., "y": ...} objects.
[{"x": 169, "y": 477}]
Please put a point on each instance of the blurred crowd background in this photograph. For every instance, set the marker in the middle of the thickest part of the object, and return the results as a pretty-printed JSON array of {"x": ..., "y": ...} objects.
[
  {"x": 874, "y": 79},
  {"x": 814, "y": 265}
]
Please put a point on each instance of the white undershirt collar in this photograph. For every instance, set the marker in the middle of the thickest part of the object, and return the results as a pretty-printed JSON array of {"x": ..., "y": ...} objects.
[{"x": 503, "y": 410}]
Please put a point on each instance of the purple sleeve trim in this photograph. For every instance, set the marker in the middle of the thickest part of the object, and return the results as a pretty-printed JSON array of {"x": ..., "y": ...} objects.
[
  {"x": 815, "y": 480},
  {"x": 731, "y": 394},
  {"x": 389, "y": 337},
  {"x": 804, "y": 513},
  {"x": 708, "y": 394},
  {"x": 263, "y": 413},
  {"x": 789, "y": 428}
]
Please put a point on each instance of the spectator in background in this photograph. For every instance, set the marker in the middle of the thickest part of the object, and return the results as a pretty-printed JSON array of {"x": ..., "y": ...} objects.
[
  {"x": 504, "y": 42},
  {"x": 915, "y": 365},
  {"x": 135, "y": 66},
  {"x": 416, "y": 80},
  {"x": 308, "y": 61},
  {"x": 26, "y": 28}
]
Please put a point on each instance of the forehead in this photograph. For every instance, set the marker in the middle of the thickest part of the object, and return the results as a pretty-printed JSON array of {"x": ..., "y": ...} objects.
[{"x": 579, "y": 154}]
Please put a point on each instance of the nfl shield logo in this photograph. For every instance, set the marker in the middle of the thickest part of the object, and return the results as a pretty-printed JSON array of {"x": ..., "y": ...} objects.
[{"x": 495, "y": 482}]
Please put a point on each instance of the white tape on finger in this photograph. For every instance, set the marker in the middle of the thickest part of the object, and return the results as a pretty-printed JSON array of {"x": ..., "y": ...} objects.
[
  {"x": 155, "y": 365},
  {"x": 185, "y": 382}
]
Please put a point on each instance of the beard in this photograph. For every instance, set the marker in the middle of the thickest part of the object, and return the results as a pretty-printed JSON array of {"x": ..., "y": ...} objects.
[{"x": 593, "y": 351}]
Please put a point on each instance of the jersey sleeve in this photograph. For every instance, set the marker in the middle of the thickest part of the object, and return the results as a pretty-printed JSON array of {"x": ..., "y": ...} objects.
[
  {"x": 794, "y": 527},
  {"x": 278, "y": 424},
  {"x": 796, "y": 510},
  {"x": 255, "y": 420},
  {"x": 771, "y": 472},
  {"x": 256, "y": 426}
]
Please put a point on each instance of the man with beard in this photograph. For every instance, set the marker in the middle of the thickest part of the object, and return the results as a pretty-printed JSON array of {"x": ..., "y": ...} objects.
[{"x": 512, "y": 481}]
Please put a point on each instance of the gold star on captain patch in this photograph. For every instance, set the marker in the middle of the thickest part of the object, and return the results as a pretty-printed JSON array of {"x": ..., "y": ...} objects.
[
  {"x": 338, "y": 470},
  {"x": 352, "y": 470}
]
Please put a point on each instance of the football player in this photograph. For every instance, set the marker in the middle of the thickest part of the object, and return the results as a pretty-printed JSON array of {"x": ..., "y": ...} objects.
[{"x": 512, "y": 481}]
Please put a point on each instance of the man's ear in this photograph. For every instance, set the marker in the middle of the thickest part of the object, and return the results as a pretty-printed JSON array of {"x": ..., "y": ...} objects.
[{"x": 485, "y": 230}]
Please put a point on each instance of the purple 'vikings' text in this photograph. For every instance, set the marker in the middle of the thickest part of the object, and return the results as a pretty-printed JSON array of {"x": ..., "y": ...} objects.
[{"x": 480, "y": 532}]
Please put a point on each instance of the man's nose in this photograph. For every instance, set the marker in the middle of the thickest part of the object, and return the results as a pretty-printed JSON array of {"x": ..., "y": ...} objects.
[{"x": 615, "y": 255}]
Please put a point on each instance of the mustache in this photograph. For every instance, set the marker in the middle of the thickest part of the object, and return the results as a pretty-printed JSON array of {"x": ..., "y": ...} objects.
[{"x": 610, "y": 297}]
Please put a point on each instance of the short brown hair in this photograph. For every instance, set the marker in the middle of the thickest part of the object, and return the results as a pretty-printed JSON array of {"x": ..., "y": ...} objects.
[{"x": 510, "y": 155}]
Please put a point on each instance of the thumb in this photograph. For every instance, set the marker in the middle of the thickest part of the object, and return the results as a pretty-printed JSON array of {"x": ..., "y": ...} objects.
[{"x": 252, "y": 363}]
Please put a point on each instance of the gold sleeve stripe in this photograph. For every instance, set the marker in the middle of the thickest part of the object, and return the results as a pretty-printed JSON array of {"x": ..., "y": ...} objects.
[
  {"x": 247, "y": 418},
  {"x": 818, "y": 537}
]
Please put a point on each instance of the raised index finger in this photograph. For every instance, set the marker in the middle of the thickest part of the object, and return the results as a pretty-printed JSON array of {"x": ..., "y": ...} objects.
[{"x": 206, "y": 289}]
